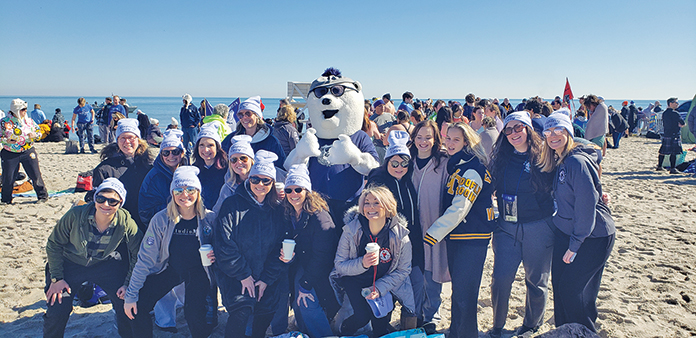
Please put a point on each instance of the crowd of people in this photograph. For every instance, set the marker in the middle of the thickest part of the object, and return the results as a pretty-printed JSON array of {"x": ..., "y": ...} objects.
[{"x": 452, "y": 180}]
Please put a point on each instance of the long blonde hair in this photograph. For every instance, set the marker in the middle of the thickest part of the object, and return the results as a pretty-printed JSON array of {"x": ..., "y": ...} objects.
[
  {"x": 473, "y": 141},
  {"x": 551, "y": 159},
  {"x": 173, "y": 209}
]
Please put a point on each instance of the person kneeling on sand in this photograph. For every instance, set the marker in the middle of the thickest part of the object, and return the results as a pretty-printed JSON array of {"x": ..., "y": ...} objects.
[{"x": 83, "y": 247}]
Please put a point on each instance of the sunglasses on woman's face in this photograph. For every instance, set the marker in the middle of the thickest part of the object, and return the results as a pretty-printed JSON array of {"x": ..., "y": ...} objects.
[
  {"x": 99, "y": 199},
  {"x": 517, "y": 128},
  {"x": 395, "y": 163},
  {"x": 297, "y": 190},
  {"x": 556, "y": 131},
  {"x": 243, "y": 159},
  {"x": 245, "y": 114},
  {"x": 256, "y": 180},
  {"x": 175, "y": 152},
  {"x": 188, "y": 190}
]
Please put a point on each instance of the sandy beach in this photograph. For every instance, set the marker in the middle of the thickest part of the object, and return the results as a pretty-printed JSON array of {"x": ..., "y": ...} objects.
[{"x": 648, "y": 288}]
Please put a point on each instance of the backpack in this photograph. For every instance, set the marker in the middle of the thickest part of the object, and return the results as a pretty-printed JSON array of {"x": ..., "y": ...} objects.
[{"x": 84, "y": 182}]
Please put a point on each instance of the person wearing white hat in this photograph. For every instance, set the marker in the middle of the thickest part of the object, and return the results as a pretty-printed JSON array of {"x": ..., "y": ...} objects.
[
  {"x": 18, "y": 134},
  {"x": 209, "y": 157},
  {"x": 394, "y": 174},
  {"x": 241, "y": 159},
  {"x": 190, "y": 123},
  {"x": 116, "y": 110},
  {"x": 251, "y": 123},
  {"x": 127, "y": 155},
  {"x": 308, "y": 222},
  {"x": 247, "y": 245},
  {"x": 154, "y": 134},
  {"x": 83, "y": 247},
  {"x": 169, "y": 255}
]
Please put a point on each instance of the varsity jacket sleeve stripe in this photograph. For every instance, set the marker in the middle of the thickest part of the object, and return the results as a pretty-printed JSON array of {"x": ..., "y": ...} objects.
[{"x": 465, "y": 189}]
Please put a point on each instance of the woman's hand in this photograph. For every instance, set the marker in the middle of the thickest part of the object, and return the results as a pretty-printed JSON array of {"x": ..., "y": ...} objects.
[
  {"x": 282, "y": 257},
  {"x": 373, "y": 295},
  {"x": 248, "y": 285},
  {"x": 211, "y": 256},
  {"x": 301, "y": 296},
  {"x": 370, "y": 259},
  {"x": 605, "y": 198},
  {"x": 55, "y": 291},
  {"x": 131, "y": 310},
  {"x": 569, "y": 257},
  {"x": 121, "y": 292},
  {"x": 262, "y": 287}
]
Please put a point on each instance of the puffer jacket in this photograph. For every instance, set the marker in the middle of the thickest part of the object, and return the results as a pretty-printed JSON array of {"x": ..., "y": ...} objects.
[
  {"x": 263, "y": 139},
  {"x": 248, "y": 238},
  {"x": 154, "y": 192},
  {"x": 396, "y": 281},
  {"x": 153, "y": 256}
]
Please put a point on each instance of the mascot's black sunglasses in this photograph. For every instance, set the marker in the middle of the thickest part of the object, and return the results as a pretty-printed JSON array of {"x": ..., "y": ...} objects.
[{"x": 336, "y": 90}]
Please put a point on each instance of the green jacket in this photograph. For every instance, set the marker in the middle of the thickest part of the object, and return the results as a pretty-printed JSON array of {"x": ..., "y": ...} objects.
[{"x": 69, "y": 239}]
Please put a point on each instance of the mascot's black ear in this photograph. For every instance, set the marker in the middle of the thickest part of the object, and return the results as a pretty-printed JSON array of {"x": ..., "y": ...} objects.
[{"x": 331, "y": 71}]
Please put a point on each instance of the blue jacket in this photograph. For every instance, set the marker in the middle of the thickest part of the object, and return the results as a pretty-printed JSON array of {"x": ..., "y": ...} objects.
[
  {"x": 212, "y": 180},
  {"x": 469, "y": 216},
  {"x": 263, "y": 139},
  {"x": 154, "y": 192},
  {"x": 578, "y": 192},
  {"x": 189, "y": 116}
]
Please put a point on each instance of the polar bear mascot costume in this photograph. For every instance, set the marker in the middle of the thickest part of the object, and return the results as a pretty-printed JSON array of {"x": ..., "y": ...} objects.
[{"x": 337, "y": 152}]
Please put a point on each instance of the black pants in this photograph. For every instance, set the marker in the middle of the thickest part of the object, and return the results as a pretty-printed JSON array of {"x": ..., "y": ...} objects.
[
  {"x": 109, "y": 275},
  {"x": 465, "y": 261},
  {"x": 30, "y": 162},
  {"x": 576, "y": 285},
  {"x": 195, "y": 305},
  {"x": 362, "y": 313},
  {"x": 240, "y": 307}
]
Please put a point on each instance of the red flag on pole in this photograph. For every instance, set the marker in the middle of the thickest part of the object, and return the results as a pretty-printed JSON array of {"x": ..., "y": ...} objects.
[{"x": 567, "y": 92}]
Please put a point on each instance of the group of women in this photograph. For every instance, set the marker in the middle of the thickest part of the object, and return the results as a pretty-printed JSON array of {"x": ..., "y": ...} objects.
[{"x": 428, "y": 210}]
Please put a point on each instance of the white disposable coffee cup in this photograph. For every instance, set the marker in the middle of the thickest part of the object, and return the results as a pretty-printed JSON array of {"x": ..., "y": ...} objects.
[
  {"x": 288, "y": 248},
  {"x": 204, "y": 249},
  {"x": 372, "y": 247},
  {"x": 280, "y": 186}
]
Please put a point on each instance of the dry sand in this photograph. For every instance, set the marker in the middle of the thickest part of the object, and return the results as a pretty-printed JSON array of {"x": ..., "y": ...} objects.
[{"x": 647, "y": 290}]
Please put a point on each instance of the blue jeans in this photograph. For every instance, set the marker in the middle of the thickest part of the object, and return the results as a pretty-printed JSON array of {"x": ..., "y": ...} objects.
[
  {"x": 190, "y": 136},
  {"x": 312, "y": 318},
  {"x": 81, "y": 129},
  {"x": 465, "y": 262},
  {"x": 432, "y": 302},
  {"x": 617, "y": 137},
  {"x": 418, "y": 285}
]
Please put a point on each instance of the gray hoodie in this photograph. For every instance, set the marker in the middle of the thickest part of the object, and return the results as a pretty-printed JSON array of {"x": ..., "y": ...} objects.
[
  {"x": 153, "y": 256},
  {"x": 396, "y": 281},
  {"x": 578, "y": 193}
]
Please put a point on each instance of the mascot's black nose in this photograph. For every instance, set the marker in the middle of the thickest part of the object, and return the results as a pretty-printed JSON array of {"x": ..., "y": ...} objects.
[{"x": 326, "y": 101}]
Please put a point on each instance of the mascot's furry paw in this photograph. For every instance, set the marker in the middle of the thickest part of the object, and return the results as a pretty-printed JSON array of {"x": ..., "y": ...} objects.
[
  {"x": 343, "y": 151},
  {"x": 308, "y": 146}
]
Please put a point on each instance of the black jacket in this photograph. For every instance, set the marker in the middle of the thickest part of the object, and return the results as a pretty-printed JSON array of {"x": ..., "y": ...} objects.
[
  {"x": 248, "y": 238},
  {"x": 406, "y": 204},
  {"x": 316, "y": 242},
  {"x": 619, "y": 123}
]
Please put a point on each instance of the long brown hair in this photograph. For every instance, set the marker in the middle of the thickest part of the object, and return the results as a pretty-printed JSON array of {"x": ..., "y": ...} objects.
[
  {"x": 313, "y": 204},
  {"x": 503, "y": 150},
  {"x": 220, "y": 156},
  {"x": 437, "y": 153}
]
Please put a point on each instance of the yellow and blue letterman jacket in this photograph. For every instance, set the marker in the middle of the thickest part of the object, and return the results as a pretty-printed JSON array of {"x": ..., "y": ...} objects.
[{"x": 469, "y": 214}]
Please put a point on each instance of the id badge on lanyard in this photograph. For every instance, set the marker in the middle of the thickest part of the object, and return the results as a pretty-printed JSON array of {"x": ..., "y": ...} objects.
[{"x": 510, "y": 208}]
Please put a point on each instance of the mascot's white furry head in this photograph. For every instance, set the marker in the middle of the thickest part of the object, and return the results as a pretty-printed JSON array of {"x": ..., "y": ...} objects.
[{"x": 335, "y": 104}]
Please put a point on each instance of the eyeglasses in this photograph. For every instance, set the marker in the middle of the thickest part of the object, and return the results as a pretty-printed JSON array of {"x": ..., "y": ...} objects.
[
  {"x": 297, "y": 190},
  {"x": 128, "y": 139},
  {"x": 99, "y": 199},
  {"x": 243, "y": 159},
  {"x": 256, "y": 180},
  {"x": 336, "y": 90},
  {"x": 556, "y": 131},
  {"x": 395, "y": 163},
  {"x": 517, "y": 129},
  {"x": 188, "y": 190},
  {"x": 175, "y": 152},
  {"x": 247, "y": 113}
]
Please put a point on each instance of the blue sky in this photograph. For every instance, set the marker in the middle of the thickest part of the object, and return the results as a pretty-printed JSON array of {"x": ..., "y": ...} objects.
[{"x": 439, "y": 49}]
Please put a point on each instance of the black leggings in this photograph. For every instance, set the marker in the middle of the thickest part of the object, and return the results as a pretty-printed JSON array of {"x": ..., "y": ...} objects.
[
  {"x": 10, "y": 163},
  {"x": 362, "y": 314},
  {"x": 157, "y": 286}
]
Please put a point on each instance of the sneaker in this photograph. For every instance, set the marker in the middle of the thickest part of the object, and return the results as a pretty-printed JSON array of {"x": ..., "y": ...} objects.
[
  {"x": 430, "y": 328},
  {"x": 525, "y": 331},
  {"x": 673, "y": 171},
  {"x": 42, "y": 200},
  {"x": 94, "y": 151},
  {"x": 495, "y": 332},
  {"x": 82, "y": 151},
  {"x": 659, "y": 168}
]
